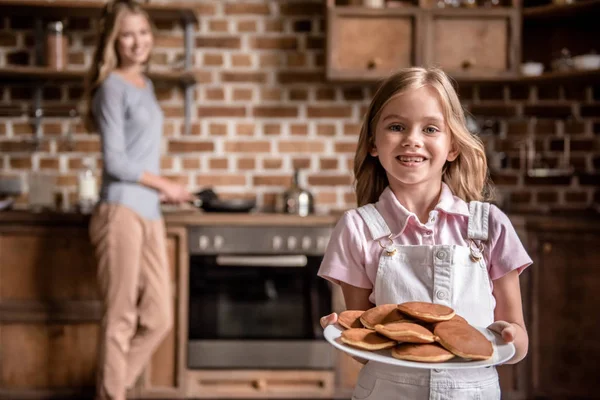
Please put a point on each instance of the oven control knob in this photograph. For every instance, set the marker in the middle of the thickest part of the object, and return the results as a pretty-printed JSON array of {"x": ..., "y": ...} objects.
[
  {"x": 218, "y": 242},
  {"x": 322, "y": 243},
  {"x": 203, "y": 242},
  {"x": 291, "y": 243},
  {"x": 306, "y": 242},
  {"x": 277, "y": 242}
]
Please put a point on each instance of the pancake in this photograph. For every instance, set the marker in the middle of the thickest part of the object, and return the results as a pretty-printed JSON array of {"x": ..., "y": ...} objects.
[
  {"x": 463, "y": 340},
  {"x": 350, "y": 319},
  {"x": 366, "y": 339},
  {"x": 429, "y": 352},
  {"x": 405, "y": 332},
  {"x": 383, "y": 314},
  {"x": 427, "y": 312},
  {"x": 456, "y": 318}
]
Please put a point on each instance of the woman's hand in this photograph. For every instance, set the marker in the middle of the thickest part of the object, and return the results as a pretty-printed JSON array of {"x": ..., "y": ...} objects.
[
  {"x": 173, "y": 192},
  {"x": 505, "y": 329}
]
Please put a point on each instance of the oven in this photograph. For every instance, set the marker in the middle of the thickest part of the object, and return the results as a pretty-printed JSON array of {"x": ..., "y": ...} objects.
[{"x": 255, "y": 299}]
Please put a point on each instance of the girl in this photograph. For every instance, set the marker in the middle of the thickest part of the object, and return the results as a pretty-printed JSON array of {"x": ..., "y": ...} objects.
[
  {"x": 126, "y": 227},
  {"x": 421, "y": 233}
]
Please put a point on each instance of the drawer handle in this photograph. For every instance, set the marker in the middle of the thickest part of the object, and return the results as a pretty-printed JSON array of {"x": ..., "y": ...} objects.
[
  {"x": 470, "y": 63},
  {"x": 259, "y": 384},
  {"x": 374, "y": 63},
  {"x": 547, "y": 248}
]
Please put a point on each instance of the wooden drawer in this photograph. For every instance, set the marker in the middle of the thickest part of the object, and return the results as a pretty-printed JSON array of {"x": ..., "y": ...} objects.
[
  {"x": 47, "y": 356},
  {"x": 473, "y": 42},
  {"x": 247, "y": 384},
  {"x": 367, "y": 45},
  {"x": 40, "y": 264}
]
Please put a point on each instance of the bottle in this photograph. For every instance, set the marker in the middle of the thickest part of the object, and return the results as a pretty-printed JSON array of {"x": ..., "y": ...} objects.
[
  {"x": 87, "y": 193},
  {"x": 56, "y": 46}
]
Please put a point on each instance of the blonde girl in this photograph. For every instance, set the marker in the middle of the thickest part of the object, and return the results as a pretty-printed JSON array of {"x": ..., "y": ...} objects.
[
  {"x": 424, "y": 232},
  {"x": 126, "y": 228}
]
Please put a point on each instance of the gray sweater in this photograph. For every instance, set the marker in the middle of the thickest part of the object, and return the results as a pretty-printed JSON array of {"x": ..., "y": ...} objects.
[{"x": 130, "y": 122}]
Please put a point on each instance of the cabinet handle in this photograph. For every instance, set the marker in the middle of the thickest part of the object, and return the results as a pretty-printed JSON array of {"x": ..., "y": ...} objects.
[
  {"x": 547, "y": 248},
  {"x": 374, "y": 63},
  {"x": 466, "y": 64},
  {"x": 259, "y": 384}
]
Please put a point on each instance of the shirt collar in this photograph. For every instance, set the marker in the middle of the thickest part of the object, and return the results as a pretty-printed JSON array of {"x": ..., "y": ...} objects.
[{"x": 397, "y": 216}]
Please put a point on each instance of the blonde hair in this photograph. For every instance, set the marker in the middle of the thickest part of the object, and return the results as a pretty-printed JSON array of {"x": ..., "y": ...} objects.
[
  {"x": 106, "y": 57},
  {"x": 467, "y": 176}
]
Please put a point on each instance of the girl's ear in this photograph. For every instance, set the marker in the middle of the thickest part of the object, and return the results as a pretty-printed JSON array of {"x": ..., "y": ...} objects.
[
  {"x": 373, "y": 151},
  {"x": 453, "y": 153}
]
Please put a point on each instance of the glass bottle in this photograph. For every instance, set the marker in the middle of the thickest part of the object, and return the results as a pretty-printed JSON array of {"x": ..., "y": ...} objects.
[{"x": 87, "y": 192}]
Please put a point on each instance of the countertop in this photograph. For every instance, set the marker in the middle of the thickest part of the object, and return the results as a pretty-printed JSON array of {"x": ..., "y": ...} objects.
[
  {"x": 172, "y": 218},
  {"x": 579, "y": 221}
]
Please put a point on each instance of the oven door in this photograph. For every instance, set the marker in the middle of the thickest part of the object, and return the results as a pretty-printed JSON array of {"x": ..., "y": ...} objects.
[{"x": 252, "y": 311}]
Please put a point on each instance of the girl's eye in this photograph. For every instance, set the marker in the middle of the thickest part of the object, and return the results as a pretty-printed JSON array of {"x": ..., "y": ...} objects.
[
  {"x": 431, "y": 129},
  {"x": 396, "y": 128}
]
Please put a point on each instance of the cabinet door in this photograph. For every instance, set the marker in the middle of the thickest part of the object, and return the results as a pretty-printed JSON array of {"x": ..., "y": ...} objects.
[
  {"x": 370, "y": 45},
  {"x": 38, "y": 358},
  {"x": 564, "y": 344},
  {"x": 473, "y": 43},
  {"x": 164, "y": 376},
  {"x": 49, "y": 312},
  {"x": 47, "y": 264}
]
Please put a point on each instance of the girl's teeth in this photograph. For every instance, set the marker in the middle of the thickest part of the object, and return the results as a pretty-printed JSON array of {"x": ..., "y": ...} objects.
[{"x": 411, "y": 159}]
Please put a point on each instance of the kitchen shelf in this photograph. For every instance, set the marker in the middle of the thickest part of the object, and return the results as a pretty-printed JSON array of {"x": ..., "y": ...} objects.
[
  {"x": 73, "y": 8},
  {"x": 37, "y": 74},
  {"x": 547, "y": 78},
  {"x": 561, "y": 11}
]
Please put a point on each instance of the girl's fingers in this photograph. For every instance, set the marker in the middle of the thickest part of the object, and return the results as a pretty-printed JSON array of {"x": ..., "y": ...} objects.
[
  {"x": 328, "y": 320},
  {"x": 504, "y": 329}
]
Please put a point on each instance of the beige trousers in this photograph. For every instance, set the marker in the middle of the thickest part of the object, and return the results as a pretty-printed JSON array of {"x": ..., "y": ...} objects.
[{"x": 133, "y": 275}]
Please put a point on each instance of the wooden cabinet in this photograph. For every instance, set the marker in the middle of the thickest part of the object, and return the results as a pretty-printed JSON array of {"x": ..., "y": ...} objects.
[
  {"x": 477, "y": 42},
  {"x": 165, "y": 375},
  {"x": 365, "y": 44},
  {"x": 564, "y": 312},
  {"x": 49, "y": 312},
  {"x": 50, "y": 316}
]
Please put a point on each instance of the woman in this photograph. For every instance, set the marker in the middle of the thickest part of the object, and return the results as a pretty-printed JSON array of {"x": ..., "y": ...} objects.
[{"x": 127, "y": 229}]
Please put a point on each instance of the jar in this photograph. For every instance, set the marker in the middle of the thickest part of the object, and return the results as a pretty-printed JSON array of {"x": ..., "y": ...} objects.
[{"x": 56, "y": 46}]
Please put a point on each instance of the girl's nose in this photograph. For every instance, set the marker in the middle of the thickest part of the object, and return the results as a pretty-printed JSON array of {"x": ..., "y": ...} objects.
[{"x": 412, "y": 138}]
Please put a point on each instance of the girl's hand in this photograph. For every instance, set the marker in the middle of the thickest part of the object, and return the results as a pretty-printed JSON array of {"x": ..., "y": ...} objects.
[
  {"x": 332, "y": 319},
  {"x": 328, "y": 320},
  {"x": 505, "y": 329}
]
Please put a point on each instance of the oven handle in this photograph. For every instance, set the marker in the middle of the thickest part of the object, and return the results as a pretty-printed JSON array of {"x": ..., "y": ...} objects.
[{"x": 262, "y": 261}]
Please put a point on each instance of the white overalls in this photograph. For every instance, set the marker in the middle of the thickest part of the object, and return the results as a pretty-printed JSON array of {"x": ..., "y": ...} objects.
[{"x": 452, "y": 275}]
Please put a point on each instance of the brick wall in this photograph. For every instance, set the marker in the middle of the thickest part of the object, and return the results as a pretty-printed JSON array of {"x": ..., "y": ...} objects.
[{"x": 263, "y": 107}]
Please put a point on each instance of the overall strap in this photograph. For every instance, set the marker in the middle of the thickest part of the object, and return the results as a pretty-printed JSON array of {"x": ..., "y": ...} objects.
[
  {"x": 377, "y": 226},
  {"x": 478, "y": 220}
]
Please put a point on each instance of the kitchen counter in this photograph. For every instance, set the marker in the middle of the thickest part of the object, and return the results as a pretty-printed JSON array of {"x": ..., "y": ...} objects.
[
  {"x": 49, "y": 303},
  {"x": 172, "y": 218}
]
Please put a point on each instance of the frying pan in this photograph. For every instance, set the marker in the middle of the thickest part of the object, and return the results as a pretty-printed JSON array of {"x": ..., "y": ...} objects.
[{"x": 208, "y": 200}]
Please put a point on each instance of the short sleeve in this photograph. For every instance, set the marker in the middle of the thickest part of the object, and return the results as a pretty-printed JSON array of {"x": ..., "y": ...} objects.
[
  {"x": 506, "y": 252},
  {"x": 344, "y": 259}
]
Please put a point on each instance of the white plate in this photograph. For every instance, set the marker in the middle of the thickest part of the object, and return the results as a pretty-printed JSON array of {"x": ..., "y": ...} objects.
[{"x": 502, "y": 352}]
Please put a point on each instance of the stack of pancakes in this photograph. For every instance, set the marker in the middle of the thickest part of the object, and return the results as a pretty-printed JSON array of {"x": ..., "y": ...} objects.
[{"x": 416, "y": 331}]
